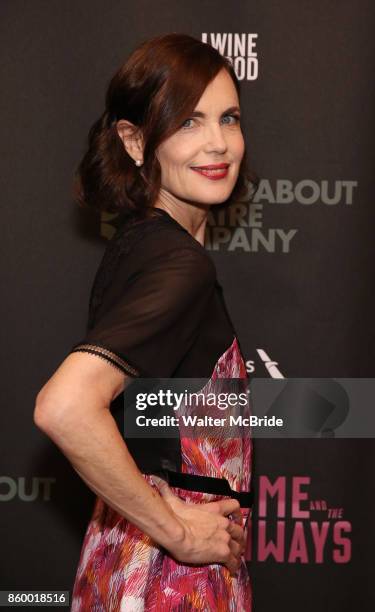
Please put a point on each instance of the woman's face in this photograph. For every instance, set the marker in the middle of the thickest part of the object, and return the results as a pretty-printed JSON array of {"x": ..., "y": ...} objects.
[{"x": 211, "y": 135}]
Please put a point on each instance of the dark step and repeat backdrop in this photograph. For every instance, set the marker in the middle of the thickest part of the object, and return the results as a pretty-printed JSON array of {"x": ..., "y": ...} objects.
[{"x": 296, "y": 264}]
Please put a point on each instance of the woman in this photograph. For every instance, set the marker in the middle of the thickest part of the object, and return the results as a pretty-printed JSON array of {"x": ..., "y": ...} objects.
[{"x": 164, "y": 534}]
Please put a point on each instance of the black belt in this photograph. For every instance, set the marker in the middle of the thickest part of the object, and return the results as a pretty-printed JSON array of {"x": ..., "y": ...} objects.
[{"x": 206, "y": 484}]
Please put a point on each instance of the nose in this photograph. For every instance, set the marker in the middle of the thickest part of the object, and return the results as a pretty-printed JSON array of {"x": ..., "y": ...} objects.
[{"x": 214, "y": 139}]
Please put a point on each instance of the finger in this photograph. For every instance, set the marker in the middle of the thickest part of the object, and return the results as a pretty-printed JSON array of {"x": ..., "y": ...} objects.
[
  {"x": 237, "y": 543},
  {"x": 231, "y": 507},
  {"x": 213, "y": 507},
  {"x": 236, "y": 549},
  {"x": 236, "y": 532},
  {"x": 233, "y": 528},
  {"x": 224, "y": 507},
  {"x": 236, "y": 519},
  {"x": 233, "y": 564},
  {"x": 237, "y": 516},
  {"x": 227, "y": 557}
]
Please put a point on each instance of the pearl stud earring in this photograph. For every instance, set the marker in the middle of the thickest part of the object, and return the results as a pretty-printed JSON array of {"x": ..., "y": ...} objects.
[{"x": 138, "y": 162}]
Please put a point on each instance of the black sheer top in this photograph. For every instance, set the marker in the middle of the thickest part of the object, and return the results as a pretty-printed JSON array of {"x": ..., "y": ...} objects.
[{"x": 157, "y": 310}]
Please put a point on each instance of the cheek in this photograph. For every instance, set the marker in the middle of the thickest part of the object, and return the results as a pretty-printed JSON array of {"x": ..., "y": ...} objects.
[
  {"x": 239, "y": 147},
  {"x": 172, "y": 160}
]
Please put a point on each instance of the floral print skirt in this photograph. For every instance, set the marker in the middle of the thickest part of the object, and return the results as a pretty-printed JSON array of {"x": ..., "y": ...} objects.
[{"x": 123, "y": 569}]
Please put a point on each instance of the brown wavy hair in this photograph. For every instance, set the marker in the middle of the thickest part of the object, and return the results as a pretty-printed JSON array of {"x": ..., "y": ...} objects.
[{"x": 157, "y": 87}]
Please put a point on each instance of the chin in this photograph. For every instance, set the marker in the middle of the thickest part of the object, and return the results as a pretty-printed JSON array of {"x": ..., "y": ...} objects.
[
  {"x": 217, "y": 202},
  {"x": 217, "y": 198}
]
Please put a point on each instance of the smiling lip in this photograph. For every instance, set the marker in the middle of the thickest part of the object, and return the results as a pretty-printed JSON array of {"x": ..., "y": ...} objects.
[
  {"x": 214, "y": 172},
  {"x": 211, "y": 167}
]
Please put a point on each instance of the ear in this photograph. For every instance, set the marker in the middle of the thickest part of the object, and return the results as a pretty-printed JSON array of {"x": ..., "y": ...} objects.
[{"x": 131, "y": 137}]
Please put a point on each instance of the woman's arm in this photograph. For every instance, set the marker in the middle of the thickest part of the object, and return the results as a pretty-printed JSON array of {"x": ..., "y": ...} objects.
[{"x": 73, "y": 410}]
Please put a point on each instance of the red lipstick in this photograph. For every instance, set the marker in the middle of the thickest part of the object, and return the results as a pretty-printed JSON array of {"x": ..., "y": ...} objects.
[{"x": 212, "y": 171}]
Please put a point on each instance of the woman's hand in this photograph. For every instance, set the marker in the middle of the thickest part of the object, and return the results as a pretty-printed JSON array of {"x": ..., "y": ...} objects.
[{"x": 209, "y": 537}]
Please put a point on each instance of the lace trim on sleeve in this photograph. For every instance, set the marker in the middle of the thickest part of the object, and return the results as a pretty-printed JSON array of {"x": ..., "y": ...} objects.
[{"x": 112, "y": 358}]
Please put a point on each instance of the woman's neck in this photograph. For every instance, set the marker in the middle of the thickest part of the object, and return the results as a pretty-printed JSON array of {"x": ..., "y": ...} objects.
[{"x": 192, "y": 217}]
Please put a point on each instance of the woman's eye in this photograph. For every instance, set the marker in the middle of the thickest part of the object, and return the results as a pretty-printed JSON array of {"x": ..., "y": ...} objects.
[
  {"x": 186, "y": 121},
  {"x": 236, "y": 119}
]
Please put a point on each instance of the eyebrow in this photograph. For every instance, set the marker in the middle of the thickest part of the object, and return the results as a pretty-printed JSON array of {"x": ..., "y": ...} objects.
[{"x": 228, "y": 111}]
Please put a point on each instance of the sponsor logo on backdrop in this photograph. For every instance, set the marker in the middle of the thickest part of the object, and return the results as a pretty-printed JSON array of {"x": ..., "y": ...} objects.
[
  {"x": 25, "y": 489},
  {"x": 293, "y": 526},
  {"x": 271, "y": 367},
  {"x": 241, "y": 227},
  {"x": 240, "y": 49}
]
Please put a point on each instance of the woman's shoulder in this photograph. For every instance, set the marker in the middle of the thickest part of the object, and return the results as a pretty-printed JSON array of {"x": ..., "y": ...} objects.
[
  {"x": 156, "y": 250},
  {"x": 161, "y": 237}
]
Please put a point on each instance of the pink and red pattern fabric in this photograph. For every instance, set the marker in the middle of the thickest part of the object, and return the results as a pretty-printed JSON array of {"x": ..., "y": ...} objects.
[{"x": 121, "y": 569}]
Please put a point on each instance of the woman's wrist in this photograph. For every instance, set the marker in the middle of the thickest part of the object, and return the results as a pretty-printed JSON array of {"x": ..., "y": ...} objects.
[{"x": 167, "y": 530}]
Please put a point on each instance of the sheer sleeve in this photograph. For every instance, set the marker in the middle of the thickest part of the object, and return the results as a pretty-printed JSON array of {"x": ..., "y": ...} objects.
[{"x": 153, "y": 322}]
